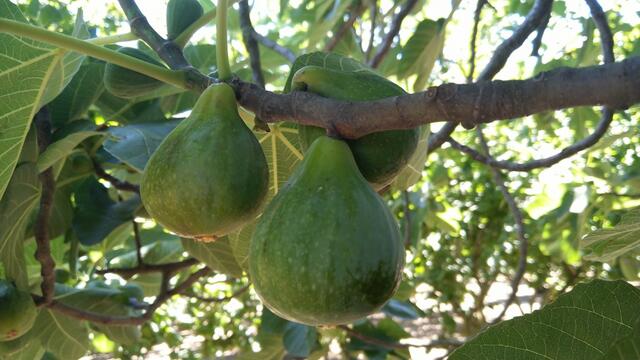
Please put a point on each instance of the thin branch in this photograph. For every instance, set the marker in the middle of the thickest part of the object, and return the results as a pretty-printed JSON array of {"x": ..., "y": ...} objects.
[
  {"x": 474, "y": 37},
  {"x": 114, "y": 181},
  {"x": 149, "y": 268},
  {"x": 373, "y": 15},
  {"x": 250, "y": 42},
  {"x": 217, "y": 300},
  {"x": 138, "y": 241},
  {"x": 616, "y": 85},
  {"x": 520, "y": 230},
  {"x": 97, "y": 318},
  {"x": 499, "y": 59},
  {"x": 537, "y": 41},
  {"x": 167, "y": 50},
  {"x": 396, "y": 23},
  {"x": 346, "y": 27},
  {"x": 42, "y": 122},
  {"x": 439, "y": 343},
  {"x": 587, "y": 142},
  {"x": 281, "y": 50},
  {"x": 600, "y": 130}
]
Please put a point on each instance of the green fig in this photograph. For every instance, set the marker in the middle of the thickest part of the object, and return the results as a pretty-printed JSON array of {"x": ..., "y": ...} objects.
[
  {"x": 180, "y": 15},
  {"x": 126, "y": 83},
  {"x": 17, "y": 311},
  {"x": 380, "y": 156},
  {"x": 326, "y": 250},
  {"x": 209, "y": 176}
]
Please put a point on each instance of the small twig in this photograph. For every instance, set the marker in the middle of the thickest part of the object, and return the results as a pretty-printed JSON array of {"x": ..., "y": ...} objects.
[
  {"x": 474, "y": 37},
  {"x": 395, "y": 345},
  {"x": 373, "y": 15},
  {"x": 114, "y": 181},
  {"x": 346, "y": 26},
  {"x": 149, "y": 268},
  {"x": 167, "y": 50},
  {"x": 407, "y": 216},
  {"x": 42, "y": 122},
  {"x": 217, "y": 300},
  {"x": 281, "y": 50},
  {"x": 499, "y": 59},
  {"x": 250, "y": 42},
  {"x": 396, "y": 23},
  {"x": 537, "y": 41},
  {"x": 136, "y": 237}
]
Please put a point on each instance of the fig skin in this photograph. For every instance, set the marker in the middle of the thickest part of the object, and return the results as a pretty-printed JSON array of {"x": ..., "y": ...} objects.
[
  {"x": 209, "y": 176},
  {"x": 327, "y": 250},
  {"x": 17, "y": 311}
]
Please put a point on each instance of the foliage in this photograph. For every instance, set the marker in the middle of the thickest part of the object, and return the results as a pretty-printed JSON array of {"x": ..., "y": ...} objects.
[{"x": 580, "y": 215}]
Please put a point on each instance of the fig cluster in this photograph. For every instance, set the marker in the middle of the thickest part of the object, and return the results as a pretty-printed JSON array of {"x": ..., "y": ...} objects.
[{"x": 326, "y": 249}]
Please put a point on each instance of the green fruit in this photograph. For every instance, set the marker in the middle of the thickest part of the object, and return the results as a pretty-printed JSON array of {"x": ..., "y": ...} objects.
[
  {"x": 209, "y": 176},
  {"x": 380, "y": 156},
  {"x": 17, "y": 311},
  {"x": 326, "y": 250},
  {"x": 180, "y": 15},
  {"x": 126, "y": 83}
]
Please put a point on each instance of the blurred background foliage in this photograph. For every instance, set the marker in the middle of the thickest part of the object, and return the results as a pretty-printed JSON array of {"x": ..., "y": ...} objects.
[{"x": 462, "y": 249}]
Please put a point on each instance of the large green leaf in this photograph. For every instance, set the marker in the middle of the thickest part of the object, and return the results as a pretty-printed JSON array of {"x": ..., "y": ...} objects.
[
  {"x": 107, "y": 301},
  {"x": 134, "y": 144},
  {"x": 218, "y": 255},
  {"x": 62, "y": 148},
  {"x": 582, "y": 325},
  {"x": 64, "y": 337},
  {"x": 32, "y": 74},
  {"x": 96, "y": 215},
  {"x": 607, "y": 244},
  {"x": 16, "y": 207},
  {"x": 626, "y": 348},
  {"x": 282, "y": 150},
  {"x": 83, "y": 90},
  {"x": 421, "y": 51},
  {"x": 31, "y": 350}
]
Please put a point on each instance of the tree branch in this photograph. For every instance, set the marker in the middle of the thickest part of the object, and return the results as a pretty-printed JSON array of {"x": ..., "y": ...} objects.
[
  {"x": 281, "y": 50},
  {"x": 346, "y": 26},
  {"x": 42, "y": 122},
  {"x": 167, "y": 50},
  {"x": 616, "y": 85},
  {"x": 499, "y": 59},
  {"x": 114, "y": 181},
  {"x": 149, "y": 268},
  {"x": 250, "y": 42},
  {"x": 396, "y": 23}
]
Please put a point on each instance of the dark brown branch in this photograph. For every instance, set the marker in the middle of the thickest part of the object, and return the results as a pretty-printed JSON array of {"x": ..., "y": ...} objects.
[
  {"x": 499, "y": 59},
  {"x": 474, "y": 36},
  {"x": 250, "y": 42},
  {"x": 76, "y": 313},
  {"x": 281, "y": 50},
  {"x": 114, "y": 181},
  {"x": 138, "y": 241},
  {"x": 346, "y": 27},
  {"x": 599, "y": 132},
  {"x": 616, "y": 85},
  {"x": 537, "y": 41},
  {"x": 149, "y": 268},
  {"x": 439, "y": 343},
  {"x": 570, "y": 150},
  {"x": 396, "y": 23},
  {"x": 42, "y": 122},
  {"x": 217, "y": 300},
  {"x": 167, "y": 50}
]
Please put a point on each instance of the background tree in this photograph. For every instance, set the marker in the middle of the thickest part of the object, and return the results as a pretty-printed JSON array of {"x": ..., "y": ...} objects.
[{"x": 498, "y": 217}]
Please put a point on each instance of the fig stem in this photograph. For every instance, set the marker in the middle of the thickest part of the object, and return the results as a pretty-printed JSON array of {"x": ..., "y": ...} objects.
[
  {"x": 66, "y": 42},
  {"x": 222, "y": 55}
]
